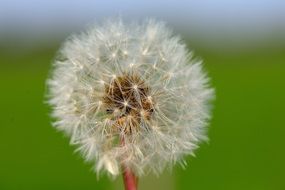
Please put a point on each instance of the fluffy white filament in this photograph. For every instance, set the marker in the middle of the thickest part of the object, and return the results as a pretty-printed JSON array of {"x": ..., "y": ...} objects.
[{"x": 89, "y": 62}]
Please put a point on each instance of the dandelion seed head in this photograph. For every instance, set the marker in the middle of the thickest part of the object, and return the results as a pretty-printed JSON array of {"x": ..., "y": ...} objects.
[{"x": 135, "y": 83}]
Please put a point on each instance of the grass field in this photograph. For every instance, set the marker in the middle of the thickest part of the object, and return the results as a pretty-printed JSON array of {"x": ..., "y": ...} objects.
[{"x": 247, "y": 132}]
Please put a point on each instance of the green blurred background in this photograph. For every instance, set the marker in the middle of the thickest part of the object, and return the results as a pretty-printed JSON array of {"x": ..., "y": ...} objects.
[{"x": 247, "y": 132}]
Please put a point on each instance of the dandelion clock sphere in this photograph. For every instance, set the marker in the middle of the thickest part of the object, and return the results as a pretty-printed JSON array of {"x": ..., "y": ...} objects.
[{"x": 130, "y": 96}]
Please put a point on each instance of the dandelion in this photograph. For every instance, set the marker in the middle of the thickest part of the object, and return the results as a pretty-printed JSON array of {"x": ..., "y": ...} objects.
[{"x": 131, "y": 97}]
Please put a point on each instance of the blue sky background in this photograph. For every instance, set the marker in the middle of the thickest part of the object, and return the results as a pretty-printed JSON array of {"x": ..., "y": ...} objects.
[{"x": 213, "y": 22}]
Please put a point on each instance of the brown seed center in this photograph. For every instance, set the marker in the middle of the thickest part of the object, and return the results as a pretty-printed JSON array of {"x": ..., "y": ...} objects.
[{"x": 127, "y": 99}]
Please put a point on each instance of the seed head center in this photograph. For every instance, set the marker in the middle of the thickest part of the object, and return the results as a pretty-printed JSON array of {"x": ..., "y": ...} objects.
[{"x": 129, "y": 95}]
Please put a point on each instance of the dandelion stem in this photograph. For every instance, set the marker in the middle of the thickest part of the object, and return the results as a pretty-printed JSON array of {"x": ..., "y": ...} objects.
[{"x": 130, "y": 180}]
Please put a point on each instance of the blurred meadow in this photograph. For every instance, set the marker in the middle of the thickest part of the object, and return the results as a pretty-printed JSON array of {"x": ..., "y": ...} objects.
[{"x": 247, "y": 131}]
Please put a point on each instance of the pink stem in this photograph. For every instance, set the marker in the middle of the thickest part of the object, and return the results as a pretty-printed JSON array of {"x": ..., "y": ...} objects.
[{"x": 130, "y": 180}]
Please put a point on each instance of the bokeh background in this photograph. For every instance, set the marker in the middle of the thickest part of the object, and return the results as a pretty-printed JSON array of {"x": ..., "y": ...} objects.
[{"x": 242, "y": 44}]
